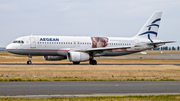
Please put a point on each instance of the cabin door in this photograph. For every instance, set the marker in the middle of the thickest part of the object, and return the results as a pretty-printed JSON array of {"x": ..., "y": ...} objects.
[
  {"x": 74, "y": 44},
  {"x": 32, "y": 42},
  {"x": 78, "y": 44}
]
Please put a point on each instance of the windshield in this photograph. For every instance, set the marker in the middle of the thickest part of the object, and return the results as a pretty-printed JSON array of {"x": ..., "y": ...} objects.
[{"x": 18, "y": 41}]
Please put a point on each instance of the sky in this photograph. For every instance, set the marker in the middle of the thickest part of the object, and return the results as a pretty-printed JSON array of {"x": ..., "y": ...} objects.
[{"x": 111, "y": 18}]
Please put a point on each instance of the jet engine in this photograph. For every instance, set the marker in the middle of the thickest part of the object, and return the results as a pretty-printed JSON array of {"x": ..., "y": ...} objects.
[
  {"x": 54, "y": 58},
  {"x": 78, "y": 56}
]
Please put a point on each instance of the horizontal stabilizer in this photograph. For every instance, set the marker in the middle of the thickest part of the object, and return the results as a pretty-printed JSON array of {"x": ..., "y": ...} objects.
[{"x": 161, "y": 42}]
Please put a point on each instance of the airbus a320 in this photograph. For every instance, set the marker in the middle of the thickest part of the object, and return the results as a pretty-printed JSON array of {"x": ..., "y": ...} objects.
[{"x": 80, "y": 49}]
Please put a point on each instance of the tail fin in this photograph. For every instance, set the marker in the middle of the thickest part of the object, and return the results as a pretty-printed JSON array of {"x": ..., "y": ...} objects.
[{"x": 150, "y": 29}]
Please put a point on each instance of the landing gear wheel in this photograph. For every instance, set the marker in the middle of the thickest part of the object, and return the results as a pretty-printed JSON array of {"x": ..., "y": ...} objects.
[
  {"x": 29, "y": 62},
  {"x": 90, "y": 62},
  {"x": 76, "y": 62},
  {"x": 93, "y": 62}
]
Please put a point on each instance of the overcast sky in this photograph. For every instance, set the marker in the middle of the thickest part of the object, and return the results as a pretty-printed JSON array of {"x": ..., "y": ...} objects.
[{"x": 116, "y": 18}]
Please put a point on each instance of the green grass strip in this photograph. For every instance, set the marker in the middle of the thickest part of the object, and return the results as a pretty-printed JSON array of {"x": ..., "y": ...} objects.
[
  {"x": 85, "y": 79},
  {"x": 108, "y": 98}
]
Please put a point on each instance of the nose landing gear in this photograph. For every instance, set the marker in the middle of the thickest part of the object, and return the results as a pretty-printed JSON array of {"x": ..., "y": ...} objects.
[{"x": 29, "y": 62}]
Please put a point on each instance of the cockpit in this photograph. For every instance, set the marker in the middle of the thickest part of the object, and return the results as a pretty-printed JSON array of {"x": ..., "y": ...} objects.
[{"x": 19, "y": 41}]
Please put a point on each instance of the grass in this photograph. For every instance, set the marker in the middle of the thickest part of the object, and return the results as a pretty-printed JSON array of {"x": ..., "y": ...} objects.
[
  {"x": 89, "y": 73},
  {"x": 108, "y": 98},
  {"x": 67, "y": 72},
  {"x": 85, "y": 79}
]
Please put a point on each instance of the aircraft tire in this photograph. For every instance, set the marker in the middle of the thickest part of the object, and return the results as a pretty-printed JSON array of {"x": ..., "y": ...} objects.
[
  {"x": 29, "y": 62},
  {"x": 93, "y": 62},
  {"x": 76, "y": 62},
  {"x": 90, "y": 62}
]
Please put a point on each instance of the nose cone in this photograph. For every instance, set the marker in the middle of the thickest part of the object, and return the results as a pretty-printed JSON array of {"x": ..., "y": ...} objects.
[{"x": 9, "y": 47}]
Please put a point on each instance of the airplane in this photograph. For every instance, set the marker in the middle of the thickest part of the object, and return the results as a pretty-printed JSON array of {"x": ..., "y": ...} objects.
[{"x": 80, "y": 49}]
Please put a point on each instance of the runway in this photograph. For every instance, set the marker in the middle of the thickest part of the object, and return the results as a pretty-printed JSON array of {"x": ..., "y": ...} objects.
[
  {"x": 85, "y": 88},
  {"x": 178, "y": 64}
]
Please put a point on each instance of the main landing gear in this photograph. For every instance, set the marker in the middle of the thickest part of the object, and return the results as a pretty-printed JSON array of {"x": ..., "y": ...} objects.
[
  {"x": 93, "y": 62},
  {"x": 29, "y": 62},
  {"x": 76, "y": 63}
]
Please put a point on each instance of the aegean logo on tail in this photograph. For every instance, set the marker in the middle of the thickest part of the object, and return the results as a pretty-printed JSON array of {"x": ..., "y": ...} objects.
[{"x": 149, "y": 29}]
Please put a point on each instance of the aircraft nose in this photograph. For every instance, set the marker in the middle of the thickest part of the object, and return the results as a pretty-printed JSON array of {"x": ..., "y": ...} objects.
[{"x": 9, "y": 47}]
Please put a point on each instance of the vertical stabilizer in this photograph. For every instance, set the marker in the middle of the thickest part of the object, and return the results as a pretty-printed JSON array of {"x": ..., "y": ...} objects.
[{"x": 150, "y": 29}]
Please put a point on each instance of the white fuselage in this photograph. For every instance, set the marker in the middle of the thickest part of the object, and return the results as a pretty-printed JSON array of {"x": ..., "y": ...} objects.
[{"x": 60, "y": 45}]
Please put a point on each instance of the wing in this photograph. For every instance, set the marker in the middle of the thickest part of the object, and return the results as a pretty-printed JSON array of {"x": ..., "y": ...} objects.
[
  {"x": 100, "y": 49},
  {"x": 106, "y": 48}
]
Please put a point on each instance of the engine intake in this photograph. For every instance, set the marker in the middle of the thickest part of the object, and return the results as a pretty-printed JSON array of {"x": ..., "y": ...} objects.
[{"x": 78, "y": 56}]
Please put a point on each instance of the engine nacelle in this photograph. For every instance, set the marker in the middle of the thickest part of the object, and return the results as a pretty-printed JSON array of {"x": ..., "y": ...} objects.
[
  {"x": 78, "y": 56},
  {"x": 54, "y": 58}
]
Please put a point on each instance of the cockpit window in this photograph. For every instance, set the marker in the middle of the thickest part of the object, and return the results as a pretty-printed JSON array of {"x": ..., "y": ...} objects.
[
  {"x": 18, "y": 41},
  {"x": 15, "y": 42}
]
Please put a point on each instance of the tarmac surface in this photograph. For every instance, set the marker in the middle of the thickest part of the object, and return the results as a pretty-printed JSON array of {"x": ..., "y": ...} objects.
[
  {"x": 178, "y": 64},
  {"x": 87, "y": 88}
]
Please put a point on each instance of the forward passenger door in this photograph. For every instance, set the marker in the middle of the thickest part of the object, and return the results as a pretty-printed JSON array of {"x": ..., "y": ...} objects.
[{"x": 32, "y": 42}]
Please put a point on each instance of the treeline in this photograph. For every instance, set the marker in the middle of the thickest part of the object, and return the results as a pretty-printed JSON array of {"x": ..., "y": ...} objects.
[
  {"x": 2, "y": 48},
  {"x": 166, "y": 48}
]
